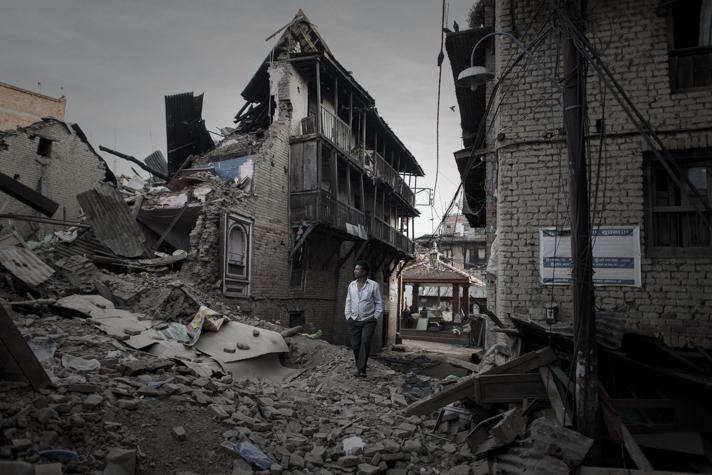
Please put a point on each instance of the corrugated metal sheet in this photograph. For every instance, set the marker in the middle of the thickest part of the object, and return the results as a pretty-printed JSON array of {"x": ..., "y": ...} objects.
[
  {"x": 84, "y": 245},
  {"x": 24, "y": 265},
  {"x": 185, "y": 129},
  {"x": 471, "y": 103},
  {"x": 112, "y": 222},
  {"x": 156, "y": 161},
  {"x": 610, "y": 329}
]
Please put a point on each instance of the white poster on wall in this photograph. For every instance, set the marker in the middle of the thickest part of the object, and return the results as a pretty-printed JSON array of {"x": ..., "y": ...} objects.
[{"x": 616, "y": 256}]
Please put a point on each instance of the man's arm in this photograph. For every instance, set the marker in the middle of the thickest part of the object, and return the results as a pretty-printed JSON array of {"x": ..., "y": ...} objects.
[
  {"x": 378, "y": 311},
  {"x": 347, "y": 306}
]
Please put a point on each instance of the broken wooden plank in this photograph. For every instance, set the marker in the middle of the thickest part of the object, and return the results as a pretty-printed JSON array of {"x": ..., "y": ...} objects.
[
  {"x": 631, "y": 446},
  {"x": 526, "y": 363},
  {"x": 688, "y": 415},
  {"x": 502, "y": 388},
  {"x": 20, "y": 352},
  {"x": 571, "y": 446},
  {"x": 557, "y": 404},
  {"x": 27, "y": 196},
  {"x": 466, "y": 386},
  {"x": 460, "y": 390},
  {"x": 623, "y": 471},
  {"x": 503, "y": 432},
  {"x": 458, "y": 363}
]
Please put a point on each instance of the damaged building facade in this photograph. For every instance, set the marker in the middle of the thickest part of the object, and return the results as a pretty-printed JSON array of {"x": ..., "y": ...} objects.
[
  {"x": 652, "y": 240},
  {"x": 321, "y": 181},
  {"x": 55, "y": 159}
]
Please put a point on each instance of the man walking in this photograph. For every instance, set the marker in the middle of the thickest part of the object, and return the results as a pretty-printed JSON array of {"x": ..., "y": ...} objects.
[{"x": 364, "y": 308}]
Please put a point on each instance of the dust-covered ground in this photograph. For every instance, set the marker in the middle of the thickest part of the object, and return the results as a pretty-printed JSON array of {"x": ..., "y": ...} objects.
[{"x": 139, "y": 403}]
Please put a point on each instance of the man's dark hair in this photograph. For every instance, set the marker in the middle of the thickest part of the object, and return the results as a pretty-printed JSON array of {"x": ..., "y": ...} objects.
[{"x": 363, "y": 265}]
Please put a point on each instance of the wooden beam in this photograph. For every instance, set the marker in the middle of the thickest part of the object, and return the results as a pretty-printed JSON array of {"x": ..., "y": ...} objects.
[
  {"x": 460, "y": 390},
  {"x": 301, "y": 242},
  {"x": 136, "y": 161},
  {"x": 458, "y": 363},
  {"x": 27, "y": 196},
  {"x": 622, "y": 471},
  {"x": 173, "y": 222},
  {"x": 631, "y": 446},
  {"x": 504, "y": 388},
  {"x": 318, "y": 96},
  {"x": 531, "y": 385},
  {"x": 20, "y": 353},
  {"x": 526, "y": 363}
]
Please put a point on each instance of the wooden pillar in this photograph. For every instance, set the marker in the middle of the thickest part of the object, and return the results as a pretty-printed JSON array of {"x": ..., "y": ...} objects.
[
  {"x": 319, "y": 170},
  {"x": 455, "y": 300},
  {"x": 348, "y": 185},
  {"x": 318, "y": 96},
  {"x": 466, "y": 299},
  {"x": 363, "y": 193},
  {"x": 363, "y": 142},
  {"x": 336, "y": 95},
  {"x": 351, "y": 118},
  {"x": 335, "y": 173}
]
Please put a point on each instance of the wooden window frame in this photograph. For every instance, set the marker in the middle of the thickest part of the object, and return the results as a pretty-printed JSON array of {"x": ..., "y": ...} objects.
[
  {"x": 676, "y": 56},
  {"x": 685, "y": 159}
]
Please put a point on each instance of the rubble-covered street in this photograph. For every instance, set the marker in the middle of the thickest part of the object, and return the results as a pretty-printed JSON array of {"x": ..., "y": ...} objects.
[{"x": 462, "y": 237}]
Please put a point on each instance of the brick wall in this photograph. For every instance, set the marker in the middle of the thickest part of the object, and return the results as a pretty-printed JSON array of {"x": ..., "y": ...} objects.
[
  {"x": 675, "y": 300},
  {"x": 71, "y": 168},
  {"x": 20, "y": 107}
]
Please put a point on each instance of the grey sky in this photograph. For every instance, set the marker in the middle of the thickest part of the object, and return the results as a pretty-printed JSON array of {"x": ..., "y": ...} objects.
[{"x": 116, "y": 59}]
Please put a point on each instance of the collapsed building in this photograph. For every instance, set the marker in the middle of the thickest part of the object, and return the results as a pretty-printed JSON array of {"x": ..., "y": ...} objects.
[
  {"x": 46, "y": 157},
  {"x": 323, "y": 182}
]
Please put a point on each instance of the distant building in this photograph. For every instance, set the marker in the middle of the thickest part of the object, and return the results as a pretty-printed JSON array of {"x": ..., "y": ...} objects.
[
  {"x": 54, "y": 158},
  {"x": 20, "y": 107}
]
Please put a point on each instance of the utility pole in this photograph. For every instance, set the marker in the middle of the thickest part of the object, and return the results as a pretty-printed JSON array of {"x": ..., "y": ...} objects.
[{"x": 586, "y": 360}]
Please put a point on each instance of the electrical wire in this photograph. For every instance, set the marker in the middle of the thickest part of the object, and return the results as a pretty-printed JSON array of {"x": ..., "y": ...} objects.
[
  {"x": 441, "y": 57},
  {"x": 483, "y": 128}
]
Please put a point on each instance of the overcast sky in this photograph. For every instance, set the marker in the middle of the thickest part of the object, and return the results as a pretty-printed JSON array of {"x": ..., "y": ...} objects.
[{"x": 114, "y": 60}]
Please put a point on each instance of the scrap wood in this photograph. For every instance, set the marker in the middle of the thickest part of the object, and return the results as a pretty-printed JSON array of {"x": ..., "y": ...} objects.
[
  {"x": 466, "y": 387},
  {"x": 633, "y": 449},
  {"x": 563, "y": 415},
  {"x": 619, "y": 432},
  {"x": 503, "y": 432},
  {"x": 623, "y": 471},
  {"x": 27, "y": 196},
  {"x": 25, "y": 265},
  {"x": 571, "y": 446},
  {"x": 15, "y": 353},
  {"x": 460, "y": 390},
  {"x": 458, "y": 363}
]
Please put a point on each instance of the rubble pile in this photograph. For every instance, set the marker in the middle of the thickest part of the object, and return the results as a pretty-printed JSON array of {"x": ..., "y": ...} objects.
[{"x": 110, "y": 398}]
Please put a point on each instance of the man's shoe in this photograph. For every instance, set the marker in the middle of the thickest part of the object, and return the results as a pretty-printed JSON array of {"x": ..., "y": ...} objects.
[
  {"x": 358, "y": 373},
  {"x": 362, "y": 373}
]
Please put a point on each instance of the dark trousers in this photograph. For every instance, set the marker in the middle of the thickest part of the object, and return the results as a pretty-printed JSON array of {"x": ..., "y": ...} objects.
[{"x": 361, "y": 333}]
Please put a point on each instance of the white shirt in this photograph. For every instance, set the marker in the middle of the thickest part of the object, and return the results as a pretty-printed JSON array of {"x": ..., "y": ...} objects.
[{"x": 364, "y": 304}]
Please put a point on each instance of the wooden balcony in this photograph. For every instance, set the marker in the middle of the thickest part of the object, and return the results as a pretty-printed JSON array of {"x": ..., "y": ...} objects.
[
  {"x": 340, "y": 135},
  {"x": 335, "y": 130},
  {"x": 319, "y": 206},
  {"x": 386, "y": 174}
]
